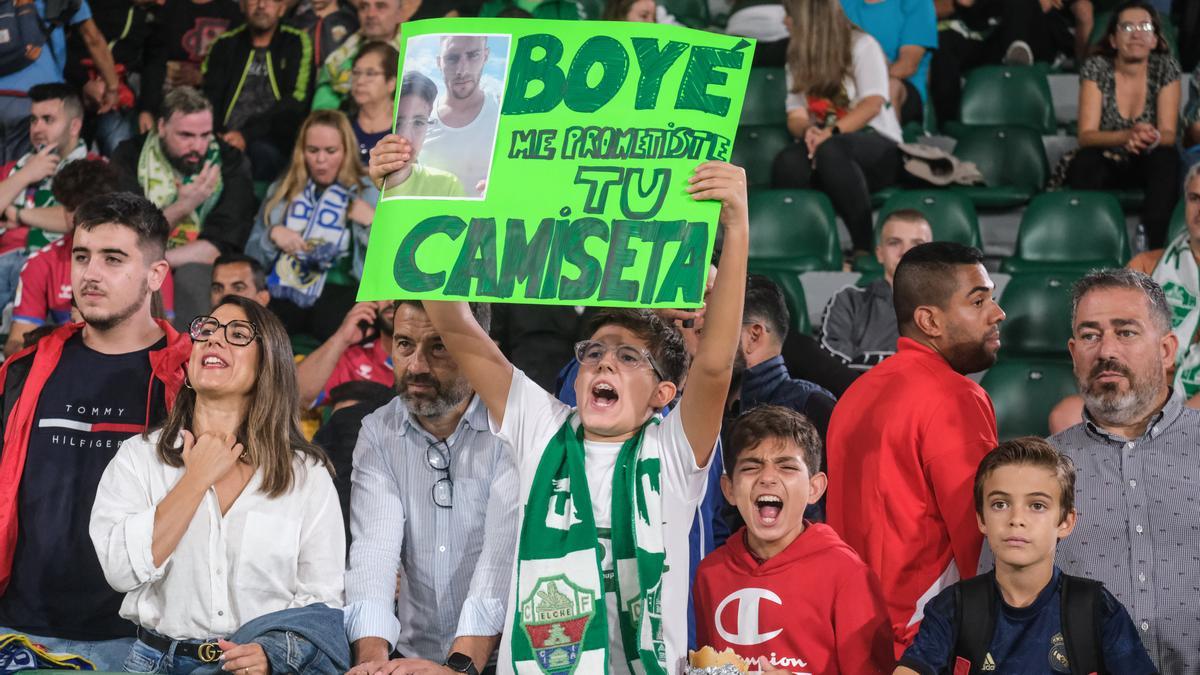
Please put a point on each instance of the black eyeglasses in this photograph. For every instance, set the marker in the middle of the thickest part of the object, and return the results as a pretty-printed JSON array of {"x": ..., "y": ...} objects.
[
  {"x": 237, "y": 332},
  {"x": 438, "y": 456}
]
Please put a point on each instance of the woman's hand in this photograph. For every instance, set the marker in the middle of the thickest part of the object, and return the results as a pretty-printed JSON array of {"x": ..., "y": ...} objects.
[
  {"x": 247, "y": 659},
  {"x": 287, "y": 240},
  {"x": 391, "y": 154},
  {"x": 361, "y": 212},
  {"x": 1143, "y": 136},
  {"x": 726, "y": 183},
  {"x": 814, "y": 137},
  {"x": 211, "y": 456}
]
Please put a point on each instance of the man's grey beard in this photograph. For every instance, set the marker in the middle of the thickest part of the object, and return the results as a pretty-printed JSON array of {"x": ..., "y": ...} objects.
[
  {"x": 446, "y": 399},
  {"x": 1110, "y": 407}
]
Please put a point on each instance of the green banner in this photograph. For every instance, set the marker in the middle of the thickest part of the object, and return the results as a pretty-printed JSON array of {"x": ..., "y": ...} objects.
[{"x": 552, "y": 162}]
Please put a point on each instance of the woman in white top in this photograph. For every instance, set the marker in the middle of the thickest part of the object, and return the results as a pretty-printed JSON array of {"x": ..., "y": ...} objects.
[
  {"x": 838, "y": 107},
  {"x": 225, "y": 514}
]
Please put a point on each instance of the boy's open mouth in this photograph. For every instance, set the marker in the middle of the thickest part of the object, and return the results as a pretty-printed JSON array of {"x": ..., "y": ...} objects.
[
  {"x": 604, "y": 395},
  {"x": 769, "y": 507}
]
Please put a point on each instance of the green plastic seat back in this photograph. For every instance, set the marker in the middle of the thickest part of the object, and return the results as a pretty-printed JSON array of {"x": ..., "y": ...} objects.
[
  {"x": 1007, "y": 156},
  {"x": 1072, "y": 228},
  {"x": 1038, "y": 309},
  {"x": 1023, "y": 391},
  {"x": 557, "y": 9},
  {"x": 1008, "y": 95},
  {"x": 754, "y": 149},
  {"x": 766, "y": 96},
  {"x": 794, "y": 230},
  {"x": 951, "y": 215}
]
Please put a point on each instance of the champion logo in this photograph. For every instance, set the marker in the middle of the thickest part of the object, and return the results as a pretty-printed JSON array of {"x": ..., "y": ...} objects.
[{"x": 747, "y": 631}]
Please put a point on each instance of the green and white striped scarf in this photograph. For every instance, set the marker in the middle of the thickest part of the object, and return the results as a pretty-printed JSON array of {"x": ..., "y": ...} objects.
[
  {"x": 1177, "y": 273},
  {"x": 560, "y": 622},
  {"x": 161, "y": 184}
]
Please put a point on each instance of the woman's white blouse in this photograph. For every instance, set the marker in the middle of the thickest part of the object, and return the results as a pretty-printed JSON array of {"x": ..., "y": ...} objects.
[{"x": 262, "y": 556}]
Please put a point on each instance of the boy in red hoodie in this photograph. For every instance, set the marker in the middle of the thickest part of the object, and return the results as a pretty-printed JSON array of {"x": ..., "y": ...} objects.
[{"x": 785, "y": 592}]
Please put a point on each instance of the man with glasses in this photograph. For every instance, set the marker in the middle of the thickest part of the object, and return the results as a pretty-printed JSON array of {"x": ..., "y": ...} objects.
[
  {"x": 434, "y": 504},
  {"x": 67, "y": 403},
  {"x": 462, "y": 128}
]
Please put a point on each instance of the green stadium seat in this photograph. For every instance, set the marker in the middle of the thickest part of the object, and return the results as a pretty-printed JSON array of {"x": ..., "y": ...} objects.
[
  {"x": 794, "y": 231},
  {"x": 1024, "y": 391},
  {"x": 754, "y": 149},
  {"x": 766, "y": 95},
  {"x": 304, "y": 344},
  {"x": 793, "y": 293},
  {"x": 1178, "y": 220},
  {"x": 691, "y": 13},
  {"x": 492, "y": 8},
  {"x": 1070, "y": 231},
  {"x": 557, "y": 9},
  {"x": 1038, "y": 305},
  {"x": 1013, "y": 163},
  {"x": 951, "y": 215},
  {"x": 592, "y": 9},
  {"x": 1009, "y": 96}
]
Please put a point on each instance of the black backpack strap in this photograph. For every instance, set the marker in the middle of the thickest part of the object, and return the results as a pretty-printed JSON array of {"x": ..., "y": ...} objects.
[
  {"x": 974, "y": 619},
  {"x": 1081, "y": 603}
]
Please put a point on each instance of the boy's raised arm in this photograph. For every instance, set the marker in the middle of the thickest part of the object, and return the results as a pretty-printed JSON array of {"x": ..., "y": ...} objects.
[
  {"x": 707, "y": 383},
  {"x": 475, "y": 353}
]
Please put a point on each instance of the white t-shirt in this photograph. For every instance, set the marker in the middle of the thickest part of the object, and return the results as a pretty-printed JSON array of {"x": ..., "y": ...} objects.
[
  {"x": 531, "y": 419},
  {"x": 466, "y": 151},
  {"x": 870, "y": 79}
]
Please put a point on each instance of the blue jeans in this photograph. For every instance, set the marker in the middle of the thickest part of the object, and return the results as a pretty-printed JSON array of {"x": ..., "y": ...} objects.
[
  {"x": 107, "y": 655},
  {"x": 142, "y": 658}
]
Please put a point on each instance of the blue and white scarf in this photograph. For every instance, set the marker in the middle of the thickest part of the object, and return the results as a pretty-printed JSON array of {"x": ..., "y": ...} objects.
[{"x": 322, "y": 221}]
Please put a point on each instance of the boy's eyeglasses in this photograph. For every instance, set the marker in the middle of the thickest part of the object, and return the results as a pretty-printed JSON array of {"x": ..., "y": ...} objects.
[
  {"x": 237, "y": 332},
  {"x": 438, "y": 456},
  {"x": 628, "y": 357},
  {"x": 1136, "y": 27}
]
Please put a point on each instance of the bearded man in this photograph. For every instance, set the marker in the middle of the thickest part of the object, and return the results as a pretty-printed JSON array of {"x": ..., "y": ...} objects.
[{"x": 434, "y": 501}]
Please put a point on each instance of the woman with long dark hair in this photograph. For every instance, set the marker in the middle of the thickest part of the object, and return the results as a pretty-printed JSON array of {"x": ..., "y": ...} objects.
[{"x": 225, "y": 514}]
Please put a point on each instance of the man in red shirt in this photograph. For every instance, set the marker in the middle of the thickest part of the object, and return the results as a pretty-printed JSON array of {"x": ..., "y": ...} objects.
[
  {"x": 906, "y": 438},
  {"x": 361, "y": 349}
]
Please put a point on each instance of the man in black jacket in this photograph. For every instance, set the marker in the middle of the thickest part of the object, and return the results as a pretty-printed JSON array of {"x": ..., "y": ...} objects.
[{"x": 265, "y": 86}]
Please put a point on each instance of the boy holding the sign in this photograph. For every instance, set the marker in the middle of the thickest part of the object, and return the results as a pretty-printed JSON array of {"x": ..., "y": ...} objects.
[{"x": 610, "y": 488}]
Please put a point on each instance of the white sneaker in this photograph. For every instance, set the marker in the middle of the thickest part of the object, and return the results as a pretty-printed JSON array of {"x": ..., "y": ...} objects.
[{"x": 1019, "y": 54}]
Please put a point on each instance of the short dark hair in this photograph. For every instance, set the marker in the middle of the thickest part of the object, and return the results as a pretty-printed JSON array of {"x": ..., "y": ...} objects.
[
  {"x": 58, "y": 91},
  {"x": 1124, "y": 278},
  {"x": 415, "y": 83},
  {"x": 766, "y": 304},
  {"x": 665, "y": 343},
  {"x": 256, "y": 268},
  {"x": 386, "y": 53},
  {"x": 183, "y": 100},
  {"x": 774, "y": 422},
  {"x": 82, "y": 179},
  {"x": 925, "y": 276},
  {"x": 128, "y": 210},
  {"x": 1029, "y": 451},
  {"x": 482, "y": 311}
]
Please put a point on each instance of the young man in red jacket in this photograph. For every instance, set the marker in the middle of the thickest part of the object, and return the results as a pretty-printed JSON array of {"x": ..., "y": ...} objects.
[
  {"x": 66, "y": 404},
  {"x": 784, "y": 592},
  {"x": 905, "y": 439}
]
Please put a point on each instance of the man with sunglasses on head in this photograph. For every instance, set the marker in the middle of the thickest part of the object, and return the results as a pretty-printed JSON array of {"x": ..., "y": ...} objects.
[
  {"x": 66, "y": 404},
  {"x": 433, "y": 502}
]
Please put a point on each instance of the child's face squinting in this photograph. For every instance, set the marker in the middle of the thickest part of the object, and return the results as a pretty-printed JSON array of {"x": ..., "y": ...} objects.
[
  {"x": 1022, "y": 514},
  {"x": 770, "y": 485}
]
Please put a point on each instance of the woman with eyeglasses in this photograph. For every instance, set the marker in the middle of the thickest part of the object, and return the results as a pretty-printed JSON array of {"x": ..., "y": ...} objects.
[
  {"x": 226, "y": 513},
  {"x": 372, "y": 93},
  {"x": 1128, "y": 117}
]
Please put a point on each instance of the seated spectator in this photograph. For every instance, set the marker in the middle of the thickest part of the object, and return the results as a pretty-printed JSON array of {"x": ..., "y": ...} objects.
[
  {"x": 378, "y": 20},
  {"x": 907, "y": 32},
  {"x": 184, "y": 30},
  {"x": 328, "y": 24},
  {"x": 201, "y": 183},
  {"x": 413, "y": 108},
  {"x": 1191, "y": 120},
  {"x": 859, "y": 326},
  {"x": 227, "y": 506},
  {"x": 374, "y": 65},
  {"x": 263, "y": 106},
  {"x": 1025, "y": 505},
  {"x": 33, "y": 216},
  {"x": 1127, "y": 139},
  {"x": 435, "y": 503},
  {"x": 361, "y": 349},
  {"x": 68, "y": 403},
  {"x": 44, "y": 296},
  {"x": 1138, "y": 538},
  {"x": 311, "y": 232},
  {"x": 241, "y": 275},
  {"x": 643, "y": 11},
  {"x": 828, "y": 612},
  {"x": 837, "y": 87}
]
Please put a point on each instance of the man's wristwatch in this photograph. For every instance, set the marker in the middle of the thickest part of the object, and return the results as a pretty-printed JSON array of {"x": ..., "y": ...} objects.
[{"x": 461, "y": 663}]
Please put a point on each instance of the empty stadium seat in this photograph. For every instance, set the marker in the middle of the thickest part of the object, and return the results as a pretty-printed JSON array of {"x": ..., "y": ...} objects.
[
  {"x": 1070, "y": 231},
  {"x": 793, "y": 230},
  {"x": 793, "y": 293},
  {"x": 1013, "y": 163},
  {"x": 951, "y": 216},
  {"x": 1024, "y": 391},
  {"x": 754, "y": 149},
  {"x": 1008, "y": 95},
  {"x": 766, "y": 94},
  {"x": 1038, "y": 305}
]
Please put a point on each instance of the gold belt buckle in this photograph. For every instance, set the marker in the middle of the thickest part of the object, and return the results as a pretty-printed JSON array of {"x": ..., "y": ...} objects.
[{"x": 208, "y": 652}]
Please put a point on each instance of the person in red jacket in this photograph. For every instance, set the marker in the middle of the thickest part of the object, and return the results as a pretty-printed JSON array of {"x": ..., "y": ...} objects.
[
  {"x": 785, "y": 592},
  {"x": 905, "y": 439},
  {"x": 66, "y": 404}
]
